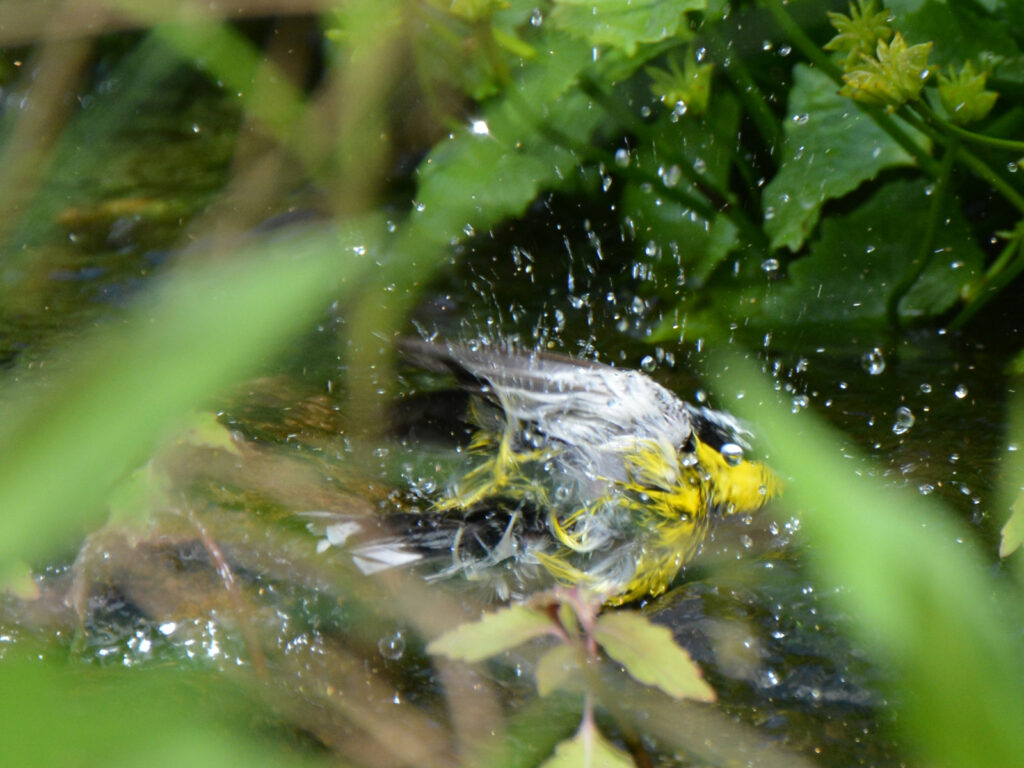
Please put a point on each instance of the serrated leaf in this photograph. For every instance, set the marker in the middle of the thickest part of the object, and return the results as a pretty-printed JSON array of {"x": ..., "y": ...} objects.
[
  {"x": 588, "y": 749},
  {"x": 830, "y": 149},
  {"x": 494, "y": 633},
  {"x": 1012, "y": 534},
  {"x": 861, "y": 257},
  {"x": 495, "y": 170},
  {"x": 650, "y": 654},
  {"x": 554, "y": 668},
  {"x": 623, "y": 23}
]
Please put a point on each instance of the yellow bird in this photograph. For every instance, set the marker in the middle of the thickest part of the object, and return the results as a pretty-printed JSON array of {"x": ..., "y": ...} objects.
[{"x": 590, "y": 474}]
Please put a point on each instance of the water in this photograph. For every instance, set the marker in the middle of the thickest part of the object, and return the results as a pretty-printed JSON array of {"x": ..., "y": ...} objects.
[{"x": 244, "y": 585}]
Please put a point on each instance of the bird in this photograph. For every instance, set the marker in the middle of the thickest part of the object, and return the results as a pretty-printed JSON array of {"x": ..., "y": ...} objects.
[{"x": 582, "y": 474}]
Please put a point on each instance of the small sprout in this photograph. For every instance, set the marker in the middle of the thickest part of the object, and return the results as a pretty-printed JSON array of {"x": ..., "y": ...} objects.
[
  {"x": 894, "y": 76},
  {"x": 861, "y": 31},
  {"x": 963, "y": 95},
  {"x": 690, "y": 87}
]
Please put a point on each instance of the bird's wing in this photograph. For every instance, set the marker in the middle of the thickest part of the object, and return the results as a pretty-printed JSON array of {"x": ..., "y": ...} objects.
[{"x": 577, "y": 402}]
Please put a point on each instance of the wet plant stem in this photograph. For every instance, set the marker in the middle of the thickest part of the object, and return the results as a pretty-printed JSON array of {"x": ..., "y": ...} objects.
[
  {"x": 922, "y": 118},
  {"x": 924, "y": 253},
  {"x": 1003, "y": 271},
  {"x": 962, "y": 133},
  {"x": 750, "y": 94}
]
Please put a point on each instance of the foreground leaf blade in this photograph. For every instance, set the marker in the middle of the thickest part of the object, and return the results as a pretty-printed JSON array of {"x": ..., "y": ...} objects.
[
  {"x": 494, "y": 633},
  {"x": 650, "y": 654},
  {"x": 588, "y": 749}
]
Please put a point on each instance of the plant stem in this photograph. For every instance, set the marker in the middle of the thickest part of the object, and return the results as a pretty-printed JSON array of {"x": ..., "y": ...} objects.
[
  {"x": 962, "y": 133},
  {"x": 1007, "y": 266},
  {"x": 938, "y": 130},
  {"x": 924, "y": 253}
]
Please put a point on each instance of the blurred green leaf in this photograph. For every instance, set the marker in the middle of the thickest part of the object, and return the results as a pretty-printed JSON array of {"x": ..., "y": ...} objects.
[
  {"x": 64, "y": 445},
  {"x": 650, "y": 654},
  {"x": 1011, "y": 536},
  {"x": 54, "y": 716},
  {"x": 831, "y": 148},
  {"x": 555, "y": 667},
  {"x": 231, "y": 58},
  {"x": 624, "y": 23},
  {"x": 920, "y": 592},
  {"x": 493, "y": 634},
  {"x": 588, "y": 749}
]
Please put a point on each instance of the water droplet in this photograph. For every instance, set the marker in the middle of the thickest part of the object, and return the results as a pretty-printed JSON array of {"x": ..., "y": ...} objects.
[
  {"x": 648, "y": 364},
  {"x": 925, "y": 489},
  {"x": 536, "y": 18},
  {"x": 622, "y": 157},
  {"x": 392, "y": 646},
  {"x": 799, "y": 403},
  {"x": 732, "y": 453},
  {"x": 904, "y": 420},
  {"x": 670, "y": 176},
  {"x": 926, "y": 388},
  {"x": 480, "y": 128},
  {"x": 688, "y": 460},
  {"x": 785, "y": 50},
  {"x": 801, "y": 118},
  {"x": 700, "y": 165},
  {"x": 873, "y": 362},
  {"x": 770, "y": 265},
  {"x": 769, "y": 213},
  {"x": 960, "y": 392}
]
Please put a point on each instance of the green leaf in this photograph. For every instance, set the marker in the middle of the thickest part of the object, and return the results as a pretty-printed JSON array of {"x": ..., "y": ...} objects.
[
  {"x": 624, "y": 24},
  {"x": 588, "y": 749},
  {"x": 494, "y": 633},
  {"x": 650, "y": 654},
  {"x": 1012, "y": 534},
  {"x": 554, "y": 668},
  {"x": 495, "y": 168},
  {"x": 830, "y": 149},
  {"x": 861, "y": 257},
  {"x": 959, "y": 30}
]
